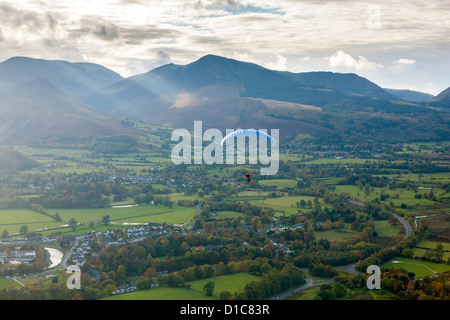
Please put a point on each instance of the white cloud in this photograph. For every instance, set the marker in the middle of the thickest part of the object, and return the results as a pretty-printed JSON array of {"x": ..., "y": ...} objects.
[
  {"x": 405, "y": 61},
  {"x": 279, "y": 64},
  {"x": 342, "y": 59},
  {"x": 124, "y": 35},
  {"x": 242, "y": 56}
]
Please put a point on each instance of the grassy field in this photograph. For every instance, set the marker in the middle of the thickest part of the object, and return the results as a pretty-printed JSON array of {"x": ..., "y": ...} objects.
[
  {"x": 12, "y": 220},
  {"x": 136, "y": 214},
  {"x": 423, "y": 245},
  {"x": 279, "y": 183},
  {"x": 251, "y": 193},
  {"x": 340, "y": 161},
  {"x": 181, "y": 196},
  {"x": 397, "y": 197},
  {"x": 227, "y": 214},
  {"x": 162, "y": 294},
  {"x": 420, "y": 268},
  {"x": 384, "y": 229},
  {"x": 335, "y": 234},
  {"x": 233, "y": 283},
  {"x": 8, "y": 283},
  {"x": 286, "y": 203}
]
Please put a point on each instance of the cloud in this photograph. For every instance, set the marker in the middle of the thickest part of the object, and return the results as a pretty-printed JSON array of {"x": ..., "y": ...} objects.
[
  {"x": 216, "y": 4},
  {"x": 106, "y": 31},
  {"x": 342, "y": 59},
  {"x": 22, "y": 24},
  {"x": 405, "y": 61},
  {"x": 137, "y": 66},
  {"x": 279, "y": 64},
  {"x": 187, "y": 29}
]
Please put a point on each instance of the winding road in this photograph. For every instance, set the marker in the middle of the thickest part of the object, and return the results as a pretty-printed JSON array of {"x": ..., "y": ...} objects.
[{"x": 406, "y": 224}]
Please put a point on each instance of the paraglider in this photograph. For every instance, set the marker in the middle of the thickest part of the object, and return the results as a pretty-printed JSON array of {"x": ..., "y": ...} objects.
[
  {"x": 247, "y": 132},
  {"x": 248, "y": 175}
]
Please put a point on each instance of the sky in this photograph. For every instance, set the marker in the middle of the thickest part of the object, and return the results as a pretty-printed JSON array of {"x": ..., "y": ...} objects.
[{"x": 396, "y": 44}]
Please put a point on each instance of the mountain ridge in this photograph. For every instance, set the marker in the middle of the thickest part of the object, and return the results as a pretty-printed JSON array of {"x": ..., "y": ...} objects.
[{"x": 89, "y": 99}]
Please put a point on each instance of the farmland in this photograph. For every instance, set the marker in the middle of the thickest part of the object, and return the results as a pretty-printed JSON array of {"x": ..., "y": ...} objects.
[
  {"x": 419, "y": 267},
  {"x": 232, "y": 283},
  {"x": 328, "y": 211}
]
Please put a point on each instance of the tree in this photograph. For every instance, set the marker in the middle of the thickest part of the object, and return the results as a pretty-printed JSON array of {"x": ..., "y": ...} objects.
[
  {"x": 339, "y": 290},
  {"x": 209, "y": 288},
  {"x": 225, "y": 295},
  {"x": 73, "y": 223},
  {"x": 428, "y": 254},
  {"x": 106, "y": 220},
  {"x": 439, "y": 252},
  {"x": 24, "y": 229},
  {"x": 408, "y": 253},
  {"x": 5, "y": 233},
  {"x": 143, "y": 284}
]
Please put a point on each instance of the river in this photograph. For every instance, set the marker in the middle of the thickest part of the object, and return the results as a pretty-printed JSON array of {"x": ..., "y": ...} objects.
[{"x": 55, "y": 256}]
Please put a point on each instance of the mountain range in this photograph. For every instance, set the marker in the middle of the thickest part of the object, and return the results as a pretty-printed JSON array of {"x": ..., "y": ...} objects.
[{"x": 43, "y": 98}]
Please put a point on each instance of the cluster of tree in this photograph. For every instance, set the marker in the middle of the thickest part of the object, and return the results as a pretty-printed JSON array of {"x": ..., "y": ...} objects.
[
  {"x": 91, "y": 199},
  {"x": 354, "y": 249},
  {"x": 331, "y": 292},
  {"x": 114, "y": 144},
  {"x": 321, "y": 270},
  {"x": 400, "y": 282},
  {"x": 272, "y": 283},
  {"x": 385, "y": 254}
]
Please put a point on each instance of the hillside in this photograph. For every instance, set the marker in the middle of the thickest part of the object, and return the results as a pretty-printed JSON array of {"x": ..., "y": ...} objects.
[
  {"x": 227, "y": 93},
  {"x": 213, "y": 77},
  {"x": 73, "y": 78},
  {"x": 43, "y": 98},
  {"x": 442, "y": 99},
  {"x": 410, "y": 95},
  {"x": 14, "y": 160},
  {"x": 38, "y": 101}
]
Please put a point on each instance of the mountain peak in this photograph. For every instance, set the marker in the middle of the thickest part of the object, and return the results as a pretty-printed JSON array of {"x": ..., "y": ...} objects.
[
  {"x": 212, "y": 57},
  {"x": 442, "y": 99}
]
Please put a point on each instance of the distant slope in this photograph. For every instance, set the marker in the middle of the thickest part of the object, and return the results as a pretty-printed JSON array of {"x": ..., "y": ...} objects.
[
  {"x": 43, "y": 98},
  {"x": 442, "y": 99},
  {"x": 23, "y": 121},
  {"x": 345, "y": 82},
  {"x": 410, "y": 95},
  {"x": 73, "y": 78},
  {"x": 222, "y": 93},
  {"x": 14, "y": 160},
  {"x": 38, "y": 99}
]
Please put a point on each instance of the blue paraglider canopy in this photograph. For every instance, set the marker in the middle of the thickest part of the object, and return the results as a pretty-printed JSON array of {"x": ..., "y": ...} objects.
[{"x": 247, "y": 132}]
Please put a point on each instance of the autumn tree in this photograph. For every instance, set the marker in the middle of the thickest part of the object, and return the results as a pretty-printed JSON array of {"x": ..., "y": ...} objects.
[{"x": 209, "y": 288}]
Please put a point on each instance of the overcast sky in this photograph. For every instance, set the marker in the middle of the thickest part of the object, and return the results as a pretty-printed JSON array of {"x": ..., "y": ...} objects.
[{"x": 396, "y": 44}]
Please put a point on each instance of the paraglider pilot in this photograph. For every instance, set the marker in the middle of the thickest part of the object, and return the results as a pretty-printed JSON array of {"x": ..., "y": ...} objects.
[{"x": 248, "y": 175}]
